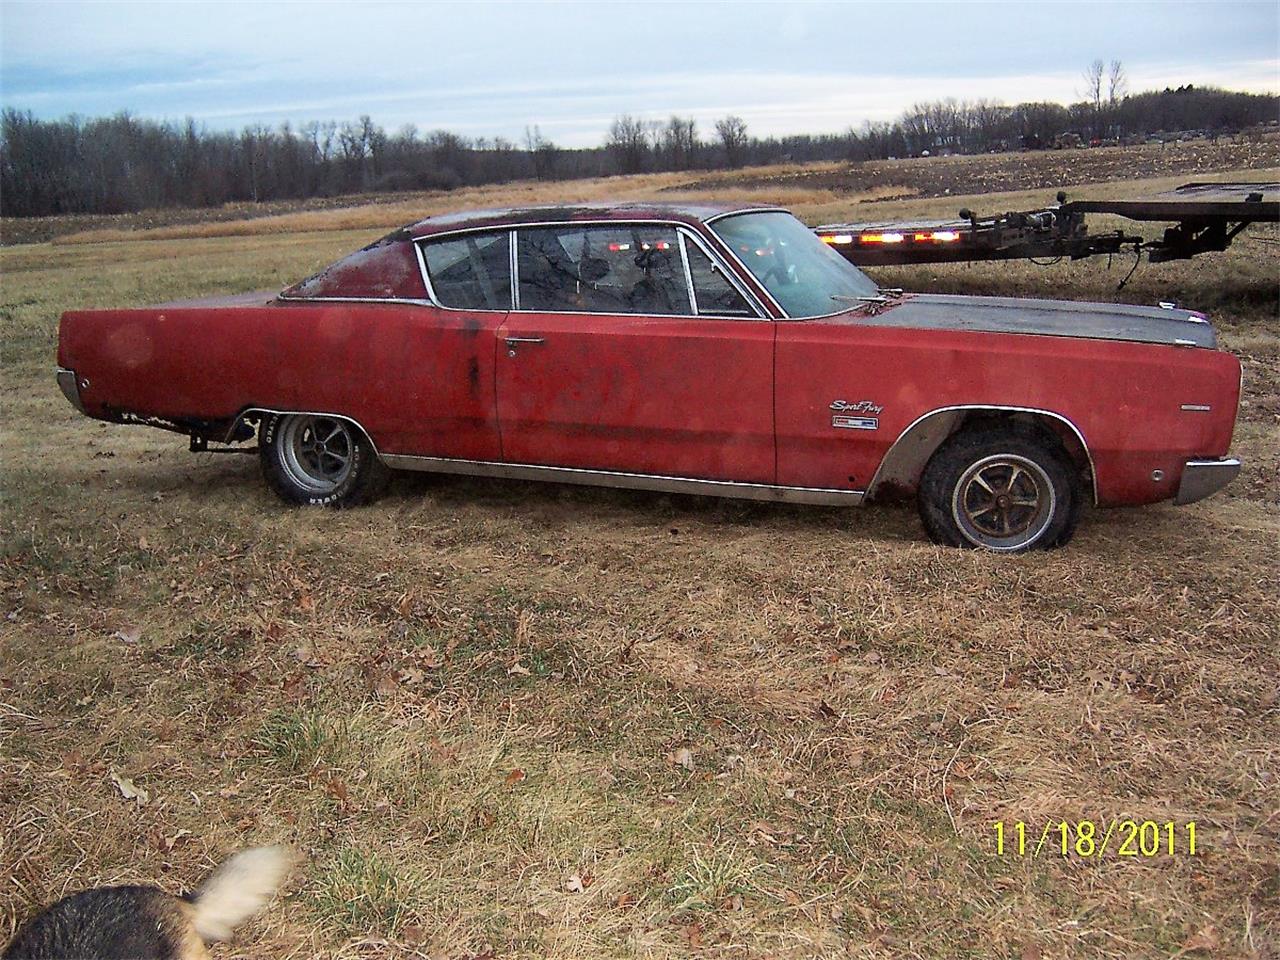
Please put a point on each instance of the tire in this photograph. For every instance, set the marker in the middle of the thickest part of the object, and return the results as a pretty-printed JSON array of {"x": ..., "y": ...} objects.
[
  {"x": 999, "y": 490},
  {"x": 321, "y": 461}
]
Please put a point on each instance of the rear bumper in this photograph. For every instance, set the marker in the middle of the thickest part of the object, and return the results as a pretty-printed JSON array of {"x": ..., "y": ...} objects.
[
  {"x": 70, "y": 387},
  {"x": 1204, "y": 478}
]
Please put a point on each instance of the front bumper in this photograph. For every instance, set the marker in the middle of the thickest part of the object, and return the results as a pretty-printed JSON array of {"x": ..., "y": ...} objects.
[
  {"x": 1204, "y": 478},
  {"x": 70, "y": 387}
]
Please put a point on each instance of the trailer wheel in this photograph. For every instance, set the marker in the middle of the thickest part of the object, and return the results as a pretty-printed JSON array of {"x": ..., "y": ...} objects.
[
  {"x": 317, "y": 460},
  {"x": 1001, "y": 491}
]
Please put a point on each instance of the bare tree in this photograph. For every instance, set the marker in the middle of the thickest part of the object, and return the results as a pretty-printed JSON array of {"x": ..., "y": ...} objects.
[
  {"x": 1117, "y": 83},
  {"x": 732, "y": 132},
  {"x": 679, "y": 140},
  {"x": 1093, "y": 83},
  {"x": 628, "y": 141},
  {"x": 1093, "y": 92},
  {"x": 544, "y": 153}
]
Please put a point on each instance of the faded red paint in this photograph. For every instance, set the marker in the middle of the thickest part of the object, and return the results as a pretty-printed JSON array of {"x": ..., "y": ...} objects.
[
  {"x": 387, "y": 269},
  {"x": 685, "y": 396}
]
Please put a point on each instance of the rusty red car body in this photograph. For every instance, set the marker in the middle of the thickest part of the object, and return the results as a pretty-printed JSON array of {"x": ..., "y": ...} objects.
[{"x": 1132, "y": 405}]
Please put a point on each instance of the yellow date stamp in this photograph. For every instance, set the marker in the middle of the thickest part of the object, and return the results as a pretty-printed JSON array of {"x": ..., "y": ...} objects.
[{"x": 1089, "y": 839}]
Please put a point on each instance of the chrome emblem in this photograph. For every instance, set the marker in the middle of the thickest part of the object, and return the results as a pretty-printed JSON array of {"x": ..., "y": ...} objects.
[
  {"x": 861, "y": 406},
  {"x": 856, "y": 423}
]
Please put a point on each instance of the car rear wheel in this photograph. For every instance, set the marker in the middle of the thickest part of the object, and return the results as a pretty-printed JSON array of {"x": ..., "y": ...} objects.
[
  {"x": 999, "y": 491},
  {"x": 319, "y": 460}
]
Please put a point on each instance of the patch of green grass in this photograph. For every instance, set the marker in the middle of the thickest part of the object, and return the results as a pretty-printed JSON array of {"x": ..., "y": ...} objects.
[
  {"x": 300, "y": 739},
  {"x": 708, "y": 878},
  {"x": 362, "y": 893}
]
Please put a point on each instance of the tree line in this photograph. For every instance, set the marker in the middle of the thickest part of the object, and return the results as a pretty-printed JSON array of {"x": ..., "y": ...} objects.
[{"x": 125, "y": 163}]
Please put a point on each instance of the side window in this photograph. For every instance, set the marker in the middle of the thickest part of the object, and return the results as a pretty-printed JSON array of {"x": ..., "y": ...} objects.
[
  {"x": 716, "y": 296},
  {"x": 471, "y": 272},
  {"x": 628, "y": 268}
]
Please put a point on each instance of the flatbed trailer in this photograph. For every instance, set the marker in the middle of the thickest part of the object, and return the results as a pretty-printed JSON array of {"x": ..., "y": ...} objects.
[{"x": 1205, "y": 216}]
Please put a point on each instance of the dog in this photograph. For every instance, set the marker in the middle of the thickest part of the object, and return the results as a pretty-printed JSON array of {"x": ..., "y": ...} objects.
[{"x": 145, "y": 923}]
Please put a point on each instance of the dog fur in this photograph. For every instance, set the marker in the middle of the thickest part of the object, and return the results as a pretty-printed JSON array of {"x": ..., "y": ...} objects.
[{"x": 145, "y": 923}]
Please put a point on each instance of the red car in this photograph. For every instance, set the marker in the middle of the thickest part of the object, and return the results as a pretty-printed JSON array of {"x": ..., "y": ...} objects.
[{"x": 699, "y": 349}]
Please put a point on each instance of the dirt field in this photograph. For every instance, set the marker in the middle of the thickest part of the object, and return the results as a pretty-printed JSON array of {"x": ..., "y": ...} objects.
[{"x": 517, "y": 720}]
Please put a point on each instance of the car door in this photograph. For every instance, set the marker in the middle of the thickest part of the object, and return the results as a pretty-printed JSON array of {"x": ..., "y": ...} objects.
[
  {"x": 608, "y": 364},
  {"x": 450, "y": 389}
]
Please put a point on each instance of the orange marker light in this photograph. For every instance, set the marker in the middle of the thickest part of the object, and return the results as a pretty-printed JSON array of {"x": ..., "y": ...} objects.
[
  {"x": 841, "y": 238},
  {"x": 881, "y": 238}
]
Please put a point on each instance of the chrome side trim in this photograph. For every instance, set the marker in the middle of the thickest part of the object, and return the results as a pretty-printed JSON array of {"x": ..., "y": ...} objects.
[
  {"x": 1204, "y": 478},
  {"x": 628, "y": 481},
  {"x": 682, "y": 230},
  {"x": 413, "y": 302},
  {"x": 966, "y": 407},
  {"x": 1196, "y": 408},
  {"x": 513, "y": 259},
  {"x": 738, "y": 213},
  {"x": 595, "y": 221},
  {"x": 426, "y": 276},
  {"x": 746, "y": 271},
  {"x": 70, "y": 387},
  {"x": 300, "y": 413},
  {"x": 730, "y": 274},
  {"x": 688, "y": 274}
]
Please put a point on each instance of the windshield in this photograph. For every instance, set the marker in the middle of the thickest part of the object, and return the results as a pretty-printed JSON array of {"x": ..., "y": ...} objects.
[{"x": 805, "y": 276}]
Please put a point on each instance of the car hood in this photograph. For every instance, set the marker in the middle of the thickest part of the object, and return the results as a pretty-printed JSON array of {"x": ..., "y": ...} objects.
[{"x": 1050, "y": 318}]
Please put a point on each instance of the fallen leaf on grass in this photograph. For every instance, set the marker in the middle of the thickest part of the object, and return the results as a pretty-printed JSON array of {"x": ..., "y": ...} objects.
[
  {"x": 166, "y": 843},
  {"x": 515, "y": 776},
  {"x": 1205, "y": 939},
  {"x": 517, "y": 670},
  {"x": 337, "y": 789},
  {"x": 129, "y": 634},
  {"x": 129, "y": 790},
  {"x": 574, "y": 884},
  {"x": 411, "y": 675},
  {"x": 682, "y": 757}
]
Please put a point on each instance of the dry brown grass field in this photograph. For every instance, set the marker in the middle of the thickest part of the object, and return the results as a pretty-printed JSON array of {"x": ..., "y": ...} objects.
[{"x": 514, "y": 720}]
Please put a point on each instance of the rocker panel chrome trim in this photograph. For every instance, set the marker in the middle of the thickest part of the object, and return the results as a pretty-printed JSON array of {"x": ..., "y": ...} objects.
[{"x": 628, "y": 481}]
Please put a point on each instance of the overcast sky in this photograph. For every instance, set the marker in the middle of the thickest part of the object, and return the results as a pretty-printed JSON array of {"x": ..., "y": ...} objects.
[{"x": 491, "y": 68}]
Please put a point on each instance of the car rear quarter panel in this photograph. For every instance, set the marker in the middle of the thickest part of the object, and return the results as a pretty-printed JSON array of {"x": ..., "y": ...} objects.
[
  {"x": 415, "y": 377},
  {"x": 1124, "y": 398}
]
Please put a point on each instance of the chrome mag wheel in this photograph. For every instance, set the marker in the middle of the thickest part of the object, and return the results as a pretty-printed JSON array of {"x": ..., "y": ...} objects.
[
  {"x": 317, "y": 453},
  {"x": 1003, "y": 502}
]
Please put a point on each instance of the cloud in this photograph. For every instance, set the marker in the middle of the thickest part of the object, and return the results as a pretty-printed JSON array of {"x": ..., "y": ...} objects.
[{"x": 487, "y": 68}]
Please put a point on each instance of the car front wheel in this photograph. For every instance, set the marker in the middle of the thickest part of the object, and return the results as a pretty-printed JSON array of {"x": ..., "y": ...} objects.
[
  {"x": 999, "y": 491},
  {"x": 318, "y": 460}
]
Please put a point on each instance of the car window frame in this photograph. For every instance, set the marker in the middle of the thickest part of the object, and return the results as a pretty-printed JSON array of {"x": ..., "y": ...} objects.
[
  {"x": 684, "y": 233},
  {"x": 420, "y": 244}
]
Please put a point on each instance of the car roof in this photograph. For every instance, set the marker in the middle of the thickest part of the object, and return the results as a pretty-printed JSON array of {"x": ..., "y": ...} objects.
[{"x": 690, "y": 213}]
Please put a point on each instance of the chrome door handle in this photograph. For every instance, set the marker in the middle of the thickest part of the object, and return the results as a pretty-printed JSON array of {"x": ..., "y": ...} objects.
[{"x": 512, "y": 341}]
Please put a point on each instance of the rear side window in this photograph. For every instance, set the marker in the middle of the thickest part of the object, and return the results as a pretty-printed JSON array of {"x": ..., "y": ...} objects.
[
  {"x": 471, "y": 272},
  {"x": 628, "y": 268}
]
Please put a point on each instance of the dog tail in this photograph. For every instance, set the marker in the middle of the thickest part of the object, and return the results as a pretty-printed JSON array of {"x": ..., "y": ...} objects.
[{"x": 237, "y": 889}]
